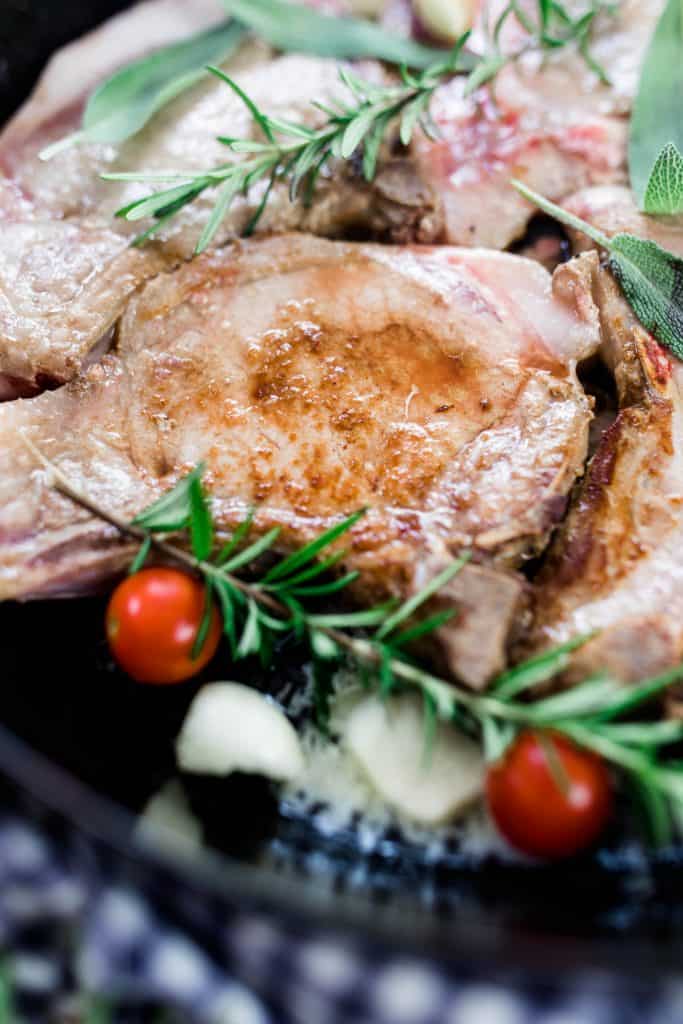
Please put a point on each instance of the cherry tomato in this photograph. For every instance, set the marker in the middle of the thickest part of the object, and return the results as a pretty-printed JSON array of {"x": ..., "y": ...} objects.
[
  {"x": 548, "y": 797},
  {"x": 152, "y": 623}
]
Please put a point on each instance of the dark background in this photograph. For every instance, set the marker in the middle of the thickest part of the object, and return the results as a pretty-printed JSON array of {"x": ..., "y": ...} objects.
[{"x": 30, "y": 30}]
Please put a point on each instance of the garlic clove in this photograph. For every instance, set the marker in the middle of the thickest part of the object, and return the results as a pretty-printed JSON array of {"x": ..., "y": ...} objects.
[
  {"x": 387, "y": 741},
  {"x": 446, "y": 19},
  {"x": 233, "y": 728}
]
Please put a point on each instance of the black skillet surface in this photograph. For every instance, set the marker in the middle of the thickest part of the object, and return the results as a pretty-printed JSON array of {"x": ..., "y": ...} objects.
[{"x": 81, "y": 747}]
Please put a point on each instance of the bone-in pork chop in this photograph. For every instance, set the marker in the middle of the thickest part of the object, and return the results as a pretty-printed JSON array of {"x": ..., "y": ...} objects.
[
  {"x": 617, "y": 564},
  {"x": 66, "y": 271},
  {"x": 435, "y": 386}
]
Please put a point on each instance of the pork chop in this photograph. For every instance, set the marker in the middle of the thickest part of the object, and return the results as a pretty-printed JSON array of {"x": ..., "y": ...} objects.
[
  {"x": 436, "y": 386},
  {"x": 66, "y": 271},
  {"x": 617, "y": 563},
  {"x": 551, "y": 123}
]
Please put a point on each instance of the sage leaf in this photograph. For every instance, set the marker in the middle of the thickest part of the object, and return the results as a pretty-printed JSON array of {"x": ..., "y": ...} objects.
[
  {"x": 298, "y": 29},
  {"x": 124, "y": 103},
  {"x": 652, "y": 282},
  {"x": 664, "y": 193},
  {"x": 650, "y": 277},
  {"x": 656, "y": 119}
]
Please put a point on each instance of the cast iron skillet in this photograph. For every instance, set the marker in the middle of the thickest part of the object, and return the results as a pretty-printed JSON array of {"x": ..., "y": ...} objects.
[{"x": 81, "y": 747}]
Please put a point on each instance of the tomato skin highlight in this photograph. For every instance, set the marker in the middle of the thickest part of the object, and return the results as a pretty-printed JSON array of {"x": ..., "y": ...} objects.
[
  {"x": 152, "y": 622},
  {"x": 549, "y": 813}
]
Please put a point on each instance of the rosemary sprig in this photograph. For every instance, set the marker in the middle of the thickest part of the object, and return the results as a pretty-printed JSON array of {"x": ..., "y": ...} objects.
[
  {"x": 550, "y": 27},
  {"x": 272, "y": 603},
  {"x": 292, "y": 151}
]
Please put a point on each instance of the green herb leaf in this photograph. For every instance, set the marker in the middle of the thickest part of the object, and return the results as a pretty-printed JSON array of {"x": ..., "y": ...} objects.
[
  {"x": 250, "y": 554},
  {"x": 141, "y": 557},
  {"x": 484, "y": 72},
  {"x": 664, "y": 193},
  {"x": 201, "y": 524},
  {"x": 204, "y": 625},
  {"x": 173, "y": 510},
  {"x": 299, "y": 29},
  {"x": 626, "y": 699},
  {"x": 588, "y": 698},
  {"x": 236, "y": 539},
  {"x": 352, "y": 620},
  {"x": 229, "y": 190},
  {"x": 325, "y": 589},
  {"x": 412, "y": 604},
  {"x": 652, "y": 282},
  {"x": 310, "y": 573},
  {"x": 645, "y": 734},
  {"x": 650, "y": 278},
  {"x": 540, "y": 669},
  {"x": 250, "y": 641},
  {"x": 311, "y": 551},
  {"x": 655, "y": 809},
  {"x": 430, "y": 717},
  {"x": 424, "y": 627},
  {"x": 260, "y": 118},
  {"x": 226, "y": 599},
  {"x": 496, "y": 738},
  {"x": 323, "y": 646},
  {"x": 656, "y": 120},
  {"x": 124, "y": 104}
]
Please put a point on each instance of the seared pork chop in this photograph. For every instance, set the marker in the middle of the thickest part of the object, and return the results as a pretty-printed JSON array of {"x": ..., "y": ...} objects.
[
  {"x": 66, "y": 271},
  {"x": 435, "y": 386},
  {"x": 617, "y": 563}
]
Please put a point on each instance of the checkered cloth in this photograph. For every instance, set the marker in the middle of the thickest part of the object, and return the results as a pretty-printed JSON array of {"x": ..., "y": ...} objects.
[{"x": 67, "y": 929}]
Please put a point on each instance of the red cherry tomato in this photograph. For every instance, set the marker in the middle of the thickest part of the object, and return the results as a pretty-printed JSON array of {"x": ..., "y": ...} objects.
[
  {"x": 548, "y": 797},
  {"x": 152, "y": 623}
]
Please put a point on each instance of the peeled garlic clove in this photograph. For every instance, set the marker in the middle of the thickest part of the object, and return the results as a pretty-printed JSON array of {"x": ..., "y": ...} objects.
[
  {"x": 387, "y": 740},
  {"x": 232, "y": 728},
  {"x": 446, "y": 19},
  {"x": 169, "y": 812}
]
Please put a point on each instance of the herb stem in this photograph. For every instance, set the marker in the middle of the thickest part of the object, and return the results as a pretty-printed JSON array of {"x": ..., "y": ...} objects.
[{"x": 553, "y": 210}]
